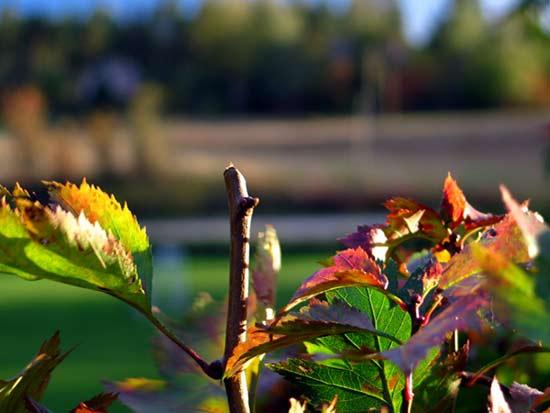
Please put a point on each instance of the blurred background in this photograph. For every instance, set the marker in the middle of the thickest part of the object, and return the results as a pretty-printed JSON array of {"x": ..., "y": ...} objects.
[{"x": 327, "y": 106}]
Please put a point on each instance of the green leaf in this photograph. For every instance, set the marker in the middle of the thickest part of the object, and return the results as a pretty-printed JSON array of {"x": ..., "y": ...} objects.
[
  {"x": 31, "y": 382},
  {"x": 363, "y": 385},
  {"x": 358, "y": 389},
  {"x": 38, "y": 241},
  {"x": 316, "y": 320},
  {"x": 103, "y": 208}
]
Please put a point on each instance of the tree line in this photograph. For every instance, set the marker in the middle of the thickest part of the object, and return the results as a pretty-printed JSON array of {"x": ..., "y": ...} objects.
[{"x": 269, "y": 57}]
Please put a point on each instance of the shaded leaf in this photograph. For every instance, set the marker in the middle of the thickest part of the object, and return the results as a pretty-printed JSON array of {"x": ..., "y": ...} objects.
[
  {"x": 460, "y": 315},
  {"x": 350, "y": 267},
  {"x": 421, "y": 282},
  {"x": 357, "y": 389},
  {"x": 31, "y": 382},
  {"x": 97, "y": 404},
  {"x": 267, "y": 264},
  {"x": 525, "y": 349},
  {"x": 440, "y": 387},
  {"x": 38, "y": 241},
  {"x": 34, "y": 407},
  {"x": 153, "y": 396}
]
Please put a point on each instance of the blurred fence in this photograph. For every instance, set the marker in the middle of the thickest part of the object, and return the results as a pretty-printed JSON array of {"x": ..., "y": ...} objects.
[{"x": 317, "y": 157}]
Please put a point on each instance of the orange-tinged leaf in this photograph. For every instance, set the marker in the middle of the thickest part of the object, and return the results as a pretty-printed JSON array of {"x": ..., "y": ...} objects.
[
  {"x": 97, "y": 404},
  {"x": 103, "y": 208},
  {"x": 408, "y": 217},
  {"x": 39, "y": 241},
  {"x": 453, "y": 203},
  {"x": 351, "y": 267}
]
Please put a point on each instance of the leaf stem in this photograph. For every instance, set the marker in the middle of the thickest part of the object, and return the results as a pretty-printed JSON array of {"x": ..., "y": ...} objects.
[
  {"x": 241, "y": 207},
  {"x": 212, "y": 370}
]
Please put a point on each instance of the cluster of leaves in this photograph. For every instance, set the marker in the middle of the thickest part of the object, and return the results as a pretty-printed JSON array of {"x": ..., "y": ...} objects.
[
  {"x": 380, "y": 319},
  {"x": 377, "y": 328}
]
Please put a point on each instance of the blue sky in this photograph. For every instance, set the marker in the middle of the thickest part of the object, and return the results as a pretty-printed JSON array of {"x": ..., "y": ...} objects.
[{"x": 419, "y": 16}]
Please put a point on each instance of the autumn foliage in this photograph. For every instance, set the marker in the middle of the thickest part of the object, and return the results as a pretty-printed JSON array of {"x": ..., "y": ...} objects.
[{"x": 388, "y": 323}]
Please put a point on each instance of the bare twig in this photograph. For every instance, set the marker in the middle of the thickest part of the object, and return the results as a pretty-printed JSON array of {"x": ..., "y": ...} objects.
[{"x": 241, "y": 207}]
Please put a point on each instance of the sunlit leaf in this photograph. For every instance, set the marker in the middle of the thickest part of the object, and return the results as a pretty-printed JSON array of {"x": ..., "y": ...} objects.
[
  {"x": 525, "y": 349},
  {"x": 453, "y": 203},
  {"x": 31, "y": 382},
  {"x": 38, "y": 241},
  {"x": 350, "y": 267},
  {"x": 103, "y": 208}
]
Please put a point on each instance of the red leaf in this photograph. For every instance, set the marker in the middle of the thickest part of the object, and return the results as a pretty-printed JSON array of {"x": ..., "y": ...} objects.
[
  {"x": 453, "y": 203},
  {"x": 351, "y": 267},
  {"x": 460, "y": 315}
]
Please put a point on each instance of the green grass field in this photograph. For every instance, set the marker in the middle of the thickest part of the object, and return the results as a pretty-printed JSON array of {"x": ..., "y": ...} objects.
[{"x": 112, "y": 340}]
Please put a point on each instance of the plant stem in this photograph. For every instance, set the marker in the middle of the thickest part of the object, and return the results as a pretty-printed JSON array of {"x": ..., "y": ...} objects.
[{"x": 241, "y": 207}]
